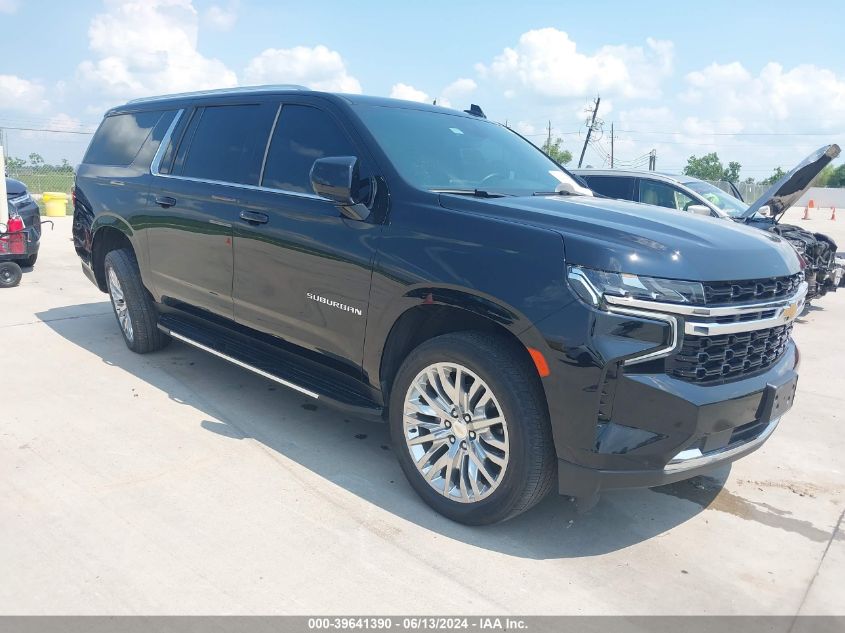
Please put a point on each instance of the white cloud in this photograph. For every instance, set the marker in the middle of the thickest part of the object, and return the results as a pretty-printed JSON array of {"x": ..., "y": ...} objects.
[
  {"x": 221, "y": 18},
  {"x": 526, "y": 128},
  {"x": 546, "y": 62},
  {"x": 9, "y": 6},
  {"x": 802, "y": 97},
  {"x": 409, "y": 93},
  {"x": 319, "y": 68},
  {"x": 21, "y": 94},
  {"x": 145, "y": 47},
  {"x": 459, "y": 88}
]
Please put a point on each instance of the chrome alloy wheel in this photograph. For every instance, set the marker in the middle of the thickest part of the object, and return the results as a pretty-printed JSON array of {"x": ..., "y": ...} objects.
[
  {"x": 456, "y": 432},
  {"x": 119, "y": 303}
]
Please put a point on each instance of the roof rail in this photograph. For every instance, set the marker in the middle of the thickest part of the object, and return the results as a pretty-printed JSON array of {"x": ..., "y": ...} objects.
[{"x": 220, "y": 91}]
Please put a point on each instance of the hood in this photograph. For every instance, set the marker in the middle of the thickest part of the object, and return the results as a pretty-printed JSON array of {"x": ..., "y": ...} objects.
[
  {"x": 621, "y": 236},
  {"x": 786, "y": 191},
  {"x": 14, "y": 188}
]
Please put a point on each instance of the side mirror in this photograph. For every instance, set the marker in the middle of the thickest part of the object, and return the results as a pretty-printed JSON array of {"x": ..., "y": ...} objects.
[
  {"x": 336, "y": 178},
  {"x": 699, "y": 209},
  {"x": 764, "y": 210}
]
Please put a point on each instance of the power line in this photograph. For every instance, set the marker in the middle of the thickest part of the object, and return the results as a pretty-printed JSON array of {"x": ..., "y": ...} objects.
[
  {"x": 734, "y": 133},
  {"x": 44, "y": 129}
]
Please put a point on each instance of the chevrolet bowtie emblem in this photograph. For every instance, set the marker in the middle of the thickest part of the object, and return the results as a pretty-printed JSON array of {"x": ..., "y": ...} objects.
[{"x": 790, "y": 311}]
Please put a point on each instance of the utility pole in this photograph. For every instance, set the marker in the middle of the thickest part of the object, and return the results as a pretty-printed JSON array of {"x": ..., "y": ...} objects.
[
  {"x": 549, "y": 141},
  {"x": 590, "y": 130},
  {"x": 4, "y": 206},
  {"x": 611, "y": 145}
]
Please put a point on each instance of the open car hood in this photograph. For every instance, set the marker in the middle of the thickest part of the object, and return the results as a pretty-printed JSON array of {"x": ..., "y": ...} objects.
[{"x": 786, "y": 191}]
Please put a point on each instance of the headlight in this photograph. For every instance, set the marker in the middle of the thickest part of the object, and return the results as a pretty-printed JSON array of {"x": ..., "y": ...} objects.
[
  {"x": 591, "y": 285},
  {"x": 24, "y": 199}
]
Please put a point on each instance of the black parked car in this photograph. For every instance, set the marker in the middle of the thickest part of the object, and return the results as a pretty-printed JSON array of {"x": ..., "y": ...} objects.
[
  {"x": 435, "y": 270},
  {"x": 823, "y": 271},
  {"x": 21, "y": 203}
]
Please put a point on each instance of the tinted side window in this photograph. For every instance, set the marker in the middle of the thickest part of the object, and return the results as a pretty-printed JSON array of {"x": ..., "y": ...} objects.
[
  {"x": 151, "y": 145},
  {"x": 303, "y": 134},
  {"x": 620, "y": 187},
  {"x": 223, "y": 144},
  {"x": 119, "y": 138},
  {"x": 663, "y": 195}
]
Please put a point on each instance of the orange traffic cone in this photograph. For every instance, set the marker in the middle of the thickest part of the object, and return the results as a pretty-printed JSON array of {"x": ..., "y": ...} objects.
[
  {"x": 809, "y": 206},
  {"x": 833, "y": 214}
]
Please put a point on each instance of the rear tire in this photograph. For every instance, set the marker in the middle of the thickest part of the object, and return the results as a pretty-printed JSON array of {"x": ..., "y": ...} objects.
[
  {"x": 133, "y": 306},
  {"x": 492, "y": 455},
  {"x": 10, "y": 274}
]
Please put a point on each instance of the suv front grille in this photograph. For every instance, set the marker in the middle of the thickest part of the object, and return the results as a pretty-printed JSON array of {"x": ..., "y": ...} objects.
[
  {"x": 727, "y": 292},
  {"x": 704, "y": 359}
]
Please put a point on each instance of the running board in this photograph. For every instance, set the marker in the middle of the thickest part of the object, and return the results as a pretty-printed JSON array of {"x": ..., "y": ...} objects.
[{"x": 303, "y": 375}]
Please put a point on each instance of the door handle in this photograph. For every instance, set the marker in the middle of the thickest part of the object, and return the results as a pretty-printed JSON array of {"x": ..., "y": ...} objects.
[
  {"x": 254, "y": 218},
  {"x": 165, "y": 201}
]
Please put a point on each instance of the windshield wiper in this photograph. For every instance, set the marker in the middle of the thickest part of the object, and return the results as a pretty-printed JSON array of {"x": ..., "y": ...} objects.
[
  {"x": 477, "y": 193},
  {"x": 596, "y": 194}
]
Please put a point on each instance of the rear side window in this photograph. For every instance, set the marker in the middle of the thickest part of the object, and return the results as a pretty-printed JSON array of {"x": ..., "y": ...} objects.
[
  {"x": 620, "y": 187},
  {"x": 119, "y": 138},
  {"x": 222, "y": 144},
  {"x": 663, "y": 195},
  {"x": 302, "y": 135}
]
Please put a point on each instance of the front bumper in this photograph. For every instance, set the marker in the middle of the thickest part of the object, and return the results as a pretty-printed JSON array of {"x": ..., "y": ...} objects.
[
  {"x": 619, "y": 425},
  {"x": 582, "y": 482}
]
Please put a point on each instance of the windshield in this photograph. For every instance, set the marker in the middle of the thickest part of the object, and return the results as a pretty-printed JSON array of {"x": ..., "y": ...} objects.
[
  {"x": 441, "y": 151},
  {"x": 718, "y": 198}
]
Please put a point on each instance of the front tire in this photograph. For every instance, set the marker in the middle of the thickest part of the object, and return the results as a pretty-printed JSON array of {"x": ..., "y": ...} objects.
[
  {"x": 470, "y": 427},
  {"x": 133, "y": 306}
]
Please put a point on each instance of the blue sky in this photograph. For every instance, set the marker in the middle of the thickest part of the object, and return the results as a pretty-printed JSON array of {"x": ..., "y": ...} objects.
[{"x": 760, "y": 83}]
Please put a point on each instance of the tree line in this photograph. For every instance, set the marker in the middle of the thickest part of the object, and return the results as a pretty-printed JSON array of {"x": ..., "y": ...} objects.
[
  {"x": 709, "y": 167},
  {"x": 37, "y": 162}
]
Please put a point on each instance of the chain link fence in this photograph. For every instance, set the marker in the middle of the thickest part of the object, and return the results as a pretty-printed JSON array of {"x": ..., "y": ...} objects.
[
  {"x": 749, "y": 191},
  {"x": 40, "y": 179}
]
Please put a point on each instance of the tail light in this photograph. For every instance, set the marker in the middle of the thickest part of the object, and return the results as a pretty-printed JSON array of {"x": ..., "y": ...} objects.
[{"x": 17, "y": 240}]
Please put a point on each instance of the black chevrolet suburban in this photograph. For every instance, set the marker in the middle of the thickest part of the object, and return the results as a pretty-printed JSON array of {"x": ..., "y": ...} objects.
[{"x": 434, "y": 269}]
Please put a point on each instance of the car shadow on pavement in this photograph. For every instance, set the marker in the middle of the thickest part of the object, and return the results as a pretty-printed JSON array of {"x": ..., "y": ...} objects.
[{"x": 357, "y": 455}]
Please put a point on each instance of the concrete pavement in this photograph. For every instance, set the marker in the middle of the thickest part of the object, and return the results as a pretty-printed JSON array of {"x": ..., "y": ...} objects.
[{"x": 175, "y": 483}]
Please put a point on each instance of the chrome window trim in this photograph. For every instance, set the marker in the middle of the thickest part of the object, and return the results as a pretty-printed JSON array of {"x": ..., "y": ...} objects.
[
  {"x": 156, "y": 162},
  {"x": 267, "y": 144}
]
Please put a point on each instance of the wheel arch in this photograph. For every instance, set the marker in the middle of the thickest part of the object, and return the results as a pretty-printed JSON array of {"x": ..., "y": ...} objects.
[
  {"x": 110, "y": 233},
  {"x": 429, "y": 312}
]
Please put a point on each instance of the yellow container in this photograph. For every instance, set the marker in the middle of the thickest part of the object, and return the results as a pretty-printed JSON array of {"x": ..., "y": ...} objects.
[{"x": 55, "y": 203}]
